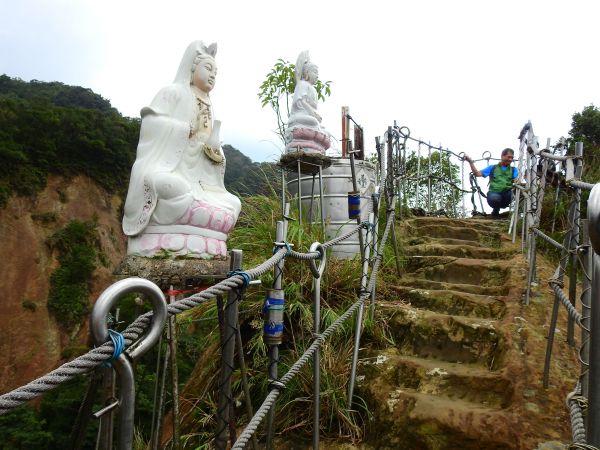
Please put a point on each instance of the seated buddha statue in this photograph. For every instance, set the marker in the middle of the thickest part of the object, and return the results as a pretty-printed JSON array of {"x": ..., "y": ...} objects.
[
  {"x": 304, "y": 130},
  {"x": 177, "y": 204}
]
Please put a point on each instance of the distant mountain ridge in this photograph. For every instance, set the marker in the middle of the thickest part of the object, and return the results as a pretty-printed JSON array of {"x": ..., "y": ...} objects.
[{"x": 52, "y": 128}]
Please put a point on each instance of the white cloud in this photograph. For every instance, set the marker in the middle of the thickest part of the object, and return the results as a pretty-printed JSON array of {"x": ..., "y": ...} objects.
[{"x": 465, "y": 74}]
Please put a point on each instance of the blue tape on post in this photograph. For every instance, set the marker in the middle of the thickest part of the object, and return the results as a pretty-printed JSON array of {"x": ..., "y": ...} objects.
[
  {"x": 353, "y": 205},
  {"x": 119, "y": 346},
  {"x": 273, "y": 304},
  {"x": 273, "y": 329}
]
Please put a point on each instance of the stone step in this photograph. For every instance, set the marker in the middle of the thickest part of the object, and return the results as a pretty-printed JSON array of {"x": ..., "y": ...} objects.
[
  {"x": 465, "y": 382},
  {"x": 488, "y": 238},
  {"x": 442, "y": 337},
  {"x": 409, "y": 420},
  {"x": 420, "y": 283},
  {"x": 479, "y": 272},
  {"x": 442, "y": 247},
  {"x": 409, "y": 241},
  {"x": 452, "y": 302},
  {"x": 477, "y": 224}
]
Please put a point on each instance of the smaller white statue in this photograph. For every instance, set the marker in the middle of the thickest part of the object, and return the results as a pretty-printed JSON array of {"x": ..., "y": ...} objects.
[
  {"x": 304, "y": 130},
  {"x": 177, "y": 204}
]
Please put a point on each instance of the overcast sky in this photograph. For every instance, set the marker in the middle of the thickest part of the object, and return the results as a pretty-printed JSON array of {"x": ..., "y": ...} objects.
[{"x": 466, "y": 74}]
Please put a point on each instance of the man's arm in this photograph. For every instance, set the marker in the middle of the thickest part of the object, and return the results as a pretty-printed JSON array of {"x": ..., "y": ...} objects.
[{"x": 476, "y": 172}]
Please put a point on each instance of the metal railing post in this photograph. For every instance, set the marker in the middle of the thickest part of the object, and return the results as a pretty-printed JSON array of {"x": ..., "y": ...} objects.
[
  {"x": 228, "y": 339},
  {"x": 280, "y": 236},
  {"x": 586, "y": 301},
  {"x": 593, "y": 417},
  {"x": 317, "y": 272},
  {"x": 575, "y": 241}
]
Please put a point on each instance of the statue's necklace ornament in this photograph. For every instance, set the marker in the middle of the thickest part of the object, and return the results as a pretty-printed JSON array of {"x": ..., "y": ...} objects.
[{"x": 204, "y": 112}]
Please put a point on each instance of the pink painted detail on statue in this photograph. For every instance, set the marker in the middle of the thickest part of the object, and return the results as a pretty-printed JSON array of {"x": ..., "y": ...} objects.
[
  {"x": 212, "y": 246},
  {"x": 150, "y": 242},
  {"x": 172, "y": 242},
  {"x": 305, "y": 145},
  {"x": 202, "y": 215},
  {"x": 217, "y": 219},
  {"x": 307, "y": 134}
]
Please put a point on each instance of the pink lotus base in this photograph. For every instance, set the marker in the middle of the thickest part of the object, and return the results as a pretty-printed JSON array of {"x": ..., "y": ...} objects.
[
  {"x": 200, "y": 215},
  {"x": 307, "y": 138}
]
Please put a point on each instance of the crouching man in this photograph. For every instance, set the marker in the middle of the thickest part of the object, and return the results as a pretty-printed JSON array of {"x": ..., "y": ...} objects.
[{"x": 501, "y": 177}]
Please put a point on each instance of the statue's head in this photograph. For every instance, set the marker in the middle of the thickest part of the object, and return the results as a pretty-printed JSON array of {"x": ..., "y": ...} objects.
[
  {"x": 305, "y": 69},
  {"x": 198, "y": 66},
  {"x": 204, "y": 72}
]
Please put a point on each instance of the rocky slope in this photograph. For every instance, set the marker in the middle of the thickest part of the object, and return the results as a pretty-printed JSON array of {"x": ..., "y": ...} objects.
[{"x": 32, "y": 343}]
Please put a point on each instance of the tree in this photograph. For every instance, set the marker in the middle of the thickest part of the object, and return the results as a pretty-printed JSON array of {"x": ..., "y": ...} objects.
[
  {"x": 585, "y": 128},
  {"x": 278, "y": 87},
  {"x": 444, "y": 178}
]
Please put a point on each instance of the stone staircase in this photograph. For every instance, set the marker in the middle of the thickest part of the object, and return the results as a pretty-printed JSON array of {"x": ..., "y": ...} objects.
[{"x": 464, "y": 368}]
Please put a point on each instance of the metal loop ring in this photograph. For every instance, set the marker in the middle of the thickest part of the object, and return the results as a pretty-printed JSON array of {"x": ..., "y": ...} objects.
[
  {"x": 111, "y": 296},
  {"x": 317, "y": 271},
  {"x": 122, "y": 364},
  {"x": 486, "y": 157}
]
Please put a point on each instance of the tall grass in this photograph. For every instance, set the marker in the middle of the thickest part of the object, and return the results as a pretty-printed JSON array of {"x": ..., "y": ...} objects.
[{"x": 254, "y": 234}]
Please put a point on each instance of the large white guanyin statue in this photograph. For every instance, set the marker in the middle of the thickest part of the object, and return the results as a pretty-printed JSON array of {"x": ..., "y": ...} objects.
[
  {"x": 177, "y": 204},
  {"x": 304, "y": 129}
]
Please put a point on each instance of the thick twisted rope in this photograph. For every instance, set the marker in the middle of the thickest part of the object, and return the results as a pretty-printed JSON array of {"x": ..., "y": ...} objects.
[
  {"x": 318, "y": 341},
  {"x": 573, "y": 313},
  {"x": 575, "y": 403},
  {"x": 547, "y": 238}
]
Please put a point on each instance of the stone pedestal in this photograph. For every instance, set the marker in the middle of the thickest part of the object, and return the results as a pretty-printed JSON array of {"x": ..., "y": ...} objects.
[
  {"x": 309, "y": 162},
  {"x": 179, "y": 273}
]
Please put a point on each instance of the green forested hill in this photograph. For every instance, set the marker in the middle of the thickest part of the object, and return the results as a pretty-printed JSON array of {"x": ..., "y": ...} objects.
[{"x": 52, "y": 128}]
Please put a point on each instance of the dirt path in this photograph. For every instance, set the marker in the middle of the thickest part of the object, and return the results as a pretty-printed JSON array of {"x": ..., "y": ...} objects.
[{"x": 465, "y": 368}]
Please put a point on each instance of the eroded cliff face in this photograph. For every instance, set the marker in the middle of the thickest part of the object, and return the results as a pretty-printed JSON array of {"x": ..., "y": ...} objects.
[{"x": 32, "y": 343}]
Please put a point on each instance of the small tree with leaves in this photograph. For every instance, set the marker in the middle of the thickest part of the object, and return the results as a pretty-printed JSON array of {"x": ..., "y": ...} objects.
[{"x": 277, "y": 89}]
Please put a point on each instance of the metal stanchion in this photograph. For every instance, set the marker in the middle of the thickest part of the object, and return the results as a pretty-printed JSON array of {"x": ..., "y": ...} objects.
[
  {"x": 227, "y": 357},
  {"x": 274, "y": 324},
  {"x": 593, "y": 416},
  {"x": 317, "y": 272}
]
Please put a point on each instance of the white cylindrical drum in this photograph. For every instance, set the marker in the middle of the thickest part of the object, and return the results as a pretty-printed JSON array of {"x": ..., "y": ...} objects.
[{"x": 337, "y": 183}]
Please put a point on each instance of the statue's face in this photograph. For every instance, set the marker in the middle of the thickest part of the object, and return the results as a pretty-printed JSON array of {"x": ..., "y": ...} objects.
[
  {"x": 205, "y": 74},
  {"x": 312, "y": 73}
]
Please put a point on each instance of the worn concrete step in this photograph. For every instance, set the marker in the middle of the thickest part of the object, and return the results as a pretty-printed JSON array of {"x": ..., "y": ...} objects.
[
  {"x": 464, "y": 382},
  {"x": 409, "y": 420},
  {"x": 452, "y": 302},
  {"x": 408, "y": 241},
  {"x": 479, "y": 272},
  {"x": 488, "y": 238},
  {"x": 477, "y": 224},
  {"x": 452, "y": 247},
  {"x": 442, "y": 337},
  {"x": 420, "y": 283}
]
